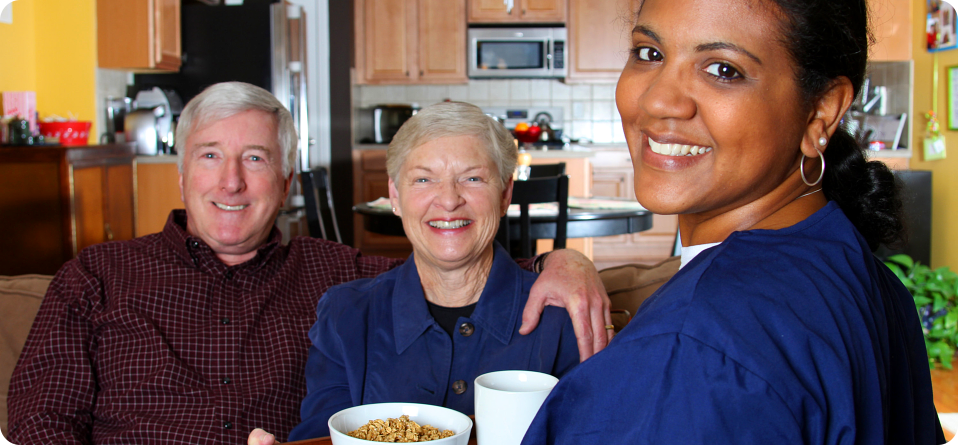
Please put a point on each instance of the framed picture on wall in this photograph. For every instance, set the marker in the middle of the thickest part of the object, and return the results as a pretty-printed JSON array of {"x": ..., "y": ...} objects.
[
  {"x": 953, "y": 97},
  {"x": 940, "y": 27}
]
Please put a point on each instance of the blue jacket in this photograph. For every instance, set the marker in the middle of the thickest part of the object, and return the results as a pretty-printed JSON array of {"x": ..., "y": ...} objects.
[
  {"x": 797, "y": 336},
  {"x": 375, "y": 341}
]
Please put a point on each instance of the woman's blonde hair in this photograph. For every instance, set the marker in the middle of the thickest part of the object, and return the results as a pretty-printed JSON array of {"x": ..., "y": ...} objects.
[{"x": 446, "y": 119}]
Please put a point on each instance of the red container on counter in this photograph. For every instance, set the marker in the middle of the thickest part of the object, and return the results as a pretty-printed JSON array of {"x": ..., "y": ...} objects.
[{"x": 66, "y": 133}]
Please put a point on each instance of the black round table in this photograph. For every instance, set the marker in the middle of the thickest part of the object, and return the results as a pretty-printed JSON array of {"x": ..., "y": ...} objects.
[{"x": 583, "y": 223}]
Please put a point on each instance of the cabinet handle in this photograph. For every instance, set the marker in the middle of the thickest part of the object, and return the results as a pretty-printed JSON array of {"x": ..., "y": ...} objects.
[
  {"x": 407, "y": 73},
  {"x": 420, "y": 73},
  {"x": 109, "y": 232}
]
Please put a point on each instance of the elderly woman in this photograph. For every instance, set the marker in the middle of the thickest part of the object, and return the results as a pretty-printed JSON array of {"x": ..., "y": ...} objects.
[
  {"x": 425, "y": 330},
  {"x": 782, "y": 326}
]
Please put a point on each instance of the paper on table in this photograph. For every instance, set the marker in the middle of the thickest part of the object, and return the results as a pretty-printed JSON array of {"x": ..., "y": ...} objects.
[
  {"x": 546, "y": 209},
  {"x": 604, "y": 203},
  {"x": 380, "y": 203}
]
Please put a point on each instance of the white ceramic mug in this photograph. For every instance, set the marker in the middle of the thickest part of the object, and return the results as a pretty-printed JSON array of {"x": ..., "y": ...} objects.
[{"x": 506, "y": 403}]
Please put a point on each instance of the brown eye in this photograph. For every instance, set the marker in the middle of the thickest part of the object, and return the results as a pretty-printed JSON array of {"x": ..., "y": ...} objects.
[
  {"x": 647, "y": 54},
  {"x": 723, "y": 71}
]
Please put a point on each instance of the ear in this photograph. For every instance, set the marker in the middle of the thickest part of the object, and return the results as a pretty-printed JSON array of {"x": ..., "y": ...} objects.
[
  {"x": 289, "y": 182},
  {"x": 826, "y": 115},
  {"x": 182, "y": 194},
  {"x": 394, "y": 198},
  {"x": 506, "y": 197}
]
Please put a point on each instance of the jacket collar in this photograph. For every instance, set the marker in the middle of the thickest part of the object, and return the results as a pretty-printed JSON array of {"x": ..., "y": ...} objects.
[{"x": 497, "y": 310}]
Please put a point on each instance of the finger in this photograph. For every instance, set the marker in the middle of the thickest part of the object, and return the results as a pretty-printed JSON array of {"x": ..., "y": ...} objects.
[
  {"x": 261, "y": 437},
  {"x": 600, "y": 319},
  {"x": 579, "y": 312},
  {"x": 608, "y": 322},
  {"x": 532, "y": 312}
]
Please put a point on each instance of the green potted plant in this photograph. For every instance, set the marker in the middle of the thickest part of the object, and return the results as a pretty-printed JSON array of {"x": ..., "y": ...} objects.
[{"x": 936, "y": 298}]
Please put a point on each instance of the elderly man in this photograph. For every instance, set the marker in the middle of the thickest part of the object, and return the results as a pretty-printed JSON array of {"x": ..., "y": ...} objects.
[{"x": 197, "y": 334}]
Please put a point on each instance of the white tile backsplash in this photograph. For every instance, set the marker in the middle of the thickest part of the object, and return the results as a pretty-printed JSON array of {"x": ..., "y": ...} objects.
[{"x": 589, "y": 109}]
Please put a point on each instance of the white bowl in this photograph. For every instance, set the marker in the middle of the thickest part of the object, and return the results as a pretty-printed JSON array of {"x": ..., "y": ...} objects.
[{"x": 351, "y": 419}]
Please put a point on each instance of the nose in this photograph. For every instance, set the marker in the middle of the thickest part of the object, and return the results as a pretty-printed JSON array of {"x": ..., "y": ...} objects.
[
  {"x": 666, "y": 96},
  {"x": 231, "y": 176},
  {"x": 450, "y": 197}
]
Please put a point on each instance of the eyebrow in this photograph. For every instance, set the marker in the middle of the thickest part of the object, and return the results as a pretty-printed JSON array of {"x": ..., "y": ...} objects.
[
  {"x": 247, "y": 147},
  {"x": 648, "y": 32}
]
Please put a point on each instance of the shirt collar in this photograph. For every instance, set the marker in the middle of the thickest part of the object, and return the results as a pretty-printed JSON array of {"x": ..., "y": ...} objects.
[
  {"x": 195, "y": 251},
  {"x": 497, "y": 310}
]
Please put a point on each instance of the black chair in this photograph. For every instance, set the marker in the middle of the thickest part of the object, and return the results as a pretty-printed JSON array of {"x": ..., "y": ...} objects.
[
  {"x": 546, "y": 170},
  {"x": 320, "y": 216},
  {"x": 533, "y": 191}
]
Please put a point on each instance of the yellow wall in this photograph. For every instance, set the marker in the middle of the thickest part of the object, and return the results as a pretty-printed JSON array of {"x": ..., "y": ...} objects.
[
  {"x": 944, "y": 236},
  {"x": 18, "y": 62},
  {"x": 56, "y": 42}
]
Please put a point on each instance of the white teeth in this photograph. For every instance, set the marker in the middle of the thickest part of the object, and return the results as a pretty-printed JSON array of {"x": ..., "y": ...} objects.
[
  {"x": 677, "y": 149},
  {"x": 450, "y": 224},
  {"x": 231, "y": 208}
]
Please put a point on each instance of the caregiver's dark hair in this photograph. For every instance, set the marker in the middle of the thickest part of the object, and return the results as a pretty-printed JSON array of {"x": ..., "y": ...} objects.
[{"x": 828, "y": 39}]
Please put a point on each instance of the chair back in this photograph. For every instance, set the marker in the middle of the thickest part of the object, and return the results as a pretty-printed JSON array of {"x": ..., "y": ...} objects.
[
  {"x": 534, "y": 191},
  {"x": 320, "y": 216},
  {"x": 546, "y": 170}
]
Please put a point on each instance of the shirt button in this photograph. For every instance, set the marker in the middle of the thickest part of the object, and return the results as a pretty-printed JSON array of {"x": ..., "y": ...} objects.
[
  {"x": 466, "y": 329},
  {"x": 194, "y": 244},
  {"x": 225, "y": 320},
  {"x": 228, "y": 425},
  {"x": 459, "y": 386},
  {"x": 229, "y": 274},
  {"x": 226, "y": 380}
]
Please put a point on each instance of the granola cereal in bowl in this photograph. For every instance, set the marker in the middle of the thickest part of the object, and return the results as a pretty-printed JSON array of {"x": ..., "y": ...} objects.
[{"x": 399, "y": 422}]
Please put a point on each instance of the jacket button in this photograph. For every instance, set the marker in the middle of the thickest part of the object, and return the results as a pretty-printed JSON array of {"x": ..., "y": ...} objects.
[
  {"x": 466, "y": 329},
  {"x": 228, "y": 425},
  {"x": 459, "y": 386}
]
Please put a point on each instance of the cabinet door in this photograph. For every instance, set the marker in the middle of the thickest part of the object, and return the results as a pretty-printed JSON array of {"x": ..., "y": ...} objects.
[
  {"x": 442, "y": 40},
  {"x": 158, "y": 193},
  {"x": 599, "y": 38},
  {"x": 167, "y": 40},
  {"x": 118, "y": 209},
  {"x": 553, "y": 11},
  {"x": 88, "y": 217},
  {"x": 388, "y": 28},
  {"x": 490, "y": 11},
  {"x": 138, "y": 34},
  {"x": 612, "y": 183}
]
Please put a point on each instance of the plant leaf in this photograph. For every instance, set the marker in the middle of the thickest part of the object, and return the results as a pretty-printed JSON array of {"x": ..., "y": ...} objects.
[
  {"x": 903, "y": 259},
  {"x": 922, "y": 301}
]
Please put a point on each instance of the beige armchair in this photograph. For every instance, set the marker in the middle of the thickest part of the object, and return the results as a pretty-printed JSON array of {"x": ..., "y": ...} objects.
[
  {"x": 20, "y": 298},
  {"x": 631, "y": 284}
]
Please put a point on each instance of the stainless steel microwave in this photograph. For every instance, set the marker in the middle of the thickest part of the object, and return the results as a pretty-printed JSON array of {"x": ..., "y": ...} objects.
[{"x": 517, "y": 52}]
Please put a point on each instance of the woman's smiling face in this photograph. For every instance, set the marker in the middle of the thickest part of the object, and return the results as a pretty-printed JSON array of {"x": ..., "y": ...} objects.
[
  {"x": 450, "y": 197},
  {"x": 710, "y": 105}
]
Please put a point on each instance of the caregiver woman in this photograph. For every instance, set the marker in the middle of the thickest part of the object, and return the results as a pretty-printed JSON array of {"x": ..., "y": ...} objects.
[{"x": 781, "y": 326}]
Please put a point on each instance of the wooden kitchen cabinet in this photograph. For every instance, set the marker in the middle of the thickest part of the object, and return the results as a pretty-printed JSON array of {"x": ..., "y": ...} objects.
[
  {"x": 139, "y": 35},
  {"x": 54, "y": 201},
  {"x": 599, "y": 38},
  {"x": 891, "y": 24},
  {"x": 370, "y": 181},
  {"x": 612, "y": 175},
  {"x": 505, "y": 11},
  {"x": 158, "y": 192},
  {"x": 410, "y": 41}
]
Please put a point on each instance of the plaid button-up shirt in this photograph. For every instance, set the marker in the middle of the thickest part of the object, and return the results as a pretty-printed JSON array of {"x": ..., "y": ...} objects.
[{"x": 154, "y": 340}]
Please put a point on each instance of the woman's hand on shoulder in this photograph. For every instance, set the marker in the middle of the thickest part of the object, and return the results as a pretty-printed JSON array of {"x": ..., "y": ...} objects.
[
  {"x": 260, "y": 437},
  {"x": 570, "y": 280}
]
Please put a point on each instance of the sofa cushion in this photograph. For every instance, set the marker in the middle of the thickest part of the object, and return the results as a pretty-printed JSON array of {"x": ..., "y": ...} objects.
[
  {"x": 630, "y": 284},
  {"x": 20, "y": 298}
]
